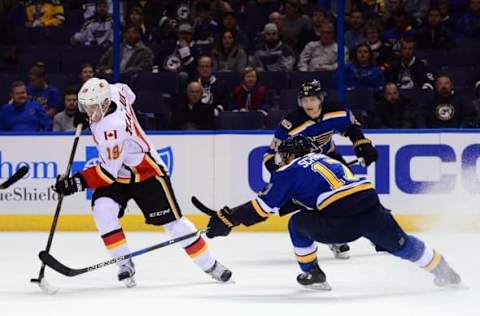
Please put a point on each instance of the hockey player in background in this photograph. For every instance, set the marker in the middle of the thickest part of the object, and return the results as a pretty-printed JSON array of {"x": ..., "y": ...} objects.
[
  {"x": 129, "y": 169},
  {"x": 338, "y": 207},
  {"x": 318, "y": 121}
]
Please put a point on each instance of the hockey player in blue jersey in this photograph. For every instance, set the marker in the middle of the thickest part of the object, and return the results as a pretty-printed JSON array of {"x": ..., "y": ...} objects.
[
  {"x": 319, "y": 121},
  {"x": 335, "y": 207}
]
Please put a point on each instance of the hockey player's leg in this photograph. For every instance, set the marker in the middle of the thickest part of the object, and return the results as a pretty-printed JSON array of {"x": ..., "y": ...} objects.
[
  {"x": 105, "y": 212},
  {"x": 388, "y": 235},
  {"x": 197, "y": 249},
  {"x": 429, "y": 259},
  {"x": 305, "y": 251}
]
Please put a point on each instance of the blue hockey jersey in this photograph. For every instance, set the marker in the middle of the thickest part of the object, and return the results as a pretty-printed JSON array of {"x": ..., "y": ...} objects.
[{"x": 316, "y": 182}]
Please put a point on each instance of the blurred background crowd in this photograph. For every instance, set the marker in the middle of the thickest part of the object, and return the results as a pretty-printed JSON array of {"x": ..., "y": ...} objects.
[{"x": 213, "y": 64}]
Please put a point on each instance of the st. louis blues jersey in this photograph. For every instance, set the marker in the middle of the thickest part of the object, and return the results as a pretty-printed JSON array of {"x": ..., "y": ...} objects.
[
  {"x": 321, "y": 130},
  {"x": 316, "y": 182}
]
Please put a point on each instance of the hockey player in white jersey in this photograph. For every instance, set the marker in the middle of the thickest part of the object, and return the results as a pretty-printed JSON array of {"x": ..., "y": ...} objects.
[{"x": 129, "y": 169}]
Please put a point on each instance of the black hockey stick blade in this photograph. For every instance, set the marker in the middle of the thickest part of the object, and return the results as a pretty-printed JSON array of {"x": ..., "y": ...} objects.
[
  {"x": 15, "y": 177},
  {"x": 56, "y": 265},
  {"x": 201, "y": 207}
]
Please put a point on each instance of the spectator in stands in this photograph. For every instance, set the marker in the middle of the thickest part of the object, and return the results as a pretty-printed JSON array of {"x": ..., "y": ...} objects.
[
  {"x": 215, "y": 92},
  {"x": 135, "y": 18},
  {"x": 417, "y": 9},
  {"x": 319, "y": 16},
  {"x": 41, "y": 92},
  {"x": 402, "y": 29},
  {"x": 276, "y": 18},
  {"x": 97, "y": 30},
  {"x": 165, "y": 31},
  {"x": 229, "y": 23},
  {"x": 294, "y": 23},
  {"x": 447, "y": 109},
  {"x": 44, "y": 13},
  {"x": 184, "y": 57},
  {"x": 355, "y": 35},
  {"x": 447, "y": 20},
  {"x": 151, "y": 10},
  {"x": 193, "y": 113},
  {"x": 409, "y": 71},
  {"x": 206, "y": 28},
  {"x": 321, "y": 55},
  {"x": 86, "y": 72},
  {"x": 382, "y": 53},
  {"x": 362, "y": 72},
  {"x": 23, "y": 115},
  {"x": 469, "y": 24},
  {"x": 389, "y": 10},
  {"x": 63, "y": 121},
  {"x": 135, "y": 57},
  {"x": 393, "y": 110},
  {"x": 434, "y": 34},
  {"x": 250, "y": 95},
  {"x": 227, "y": 55},
  {"x": 273, "y": 54},
  {"x": 89, "y": 8}
]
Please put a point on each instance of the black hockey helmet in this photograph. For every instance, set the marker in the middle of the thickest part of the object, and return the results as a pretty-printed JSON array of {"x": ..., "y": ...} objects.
[
  {"x": 297, "y": 145},
  {"x": 310, "y": 88}
]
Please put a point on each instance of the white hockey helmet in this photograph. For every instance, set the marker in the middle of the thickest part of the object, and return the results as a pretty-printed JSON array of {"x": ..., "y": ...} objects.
[{"x": 94, "y": 98}]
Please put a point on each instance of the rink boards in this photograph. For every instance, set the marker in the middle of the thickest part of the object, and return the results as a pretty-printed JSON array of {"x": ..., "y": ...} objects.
[{"x": 427, "y": 178}]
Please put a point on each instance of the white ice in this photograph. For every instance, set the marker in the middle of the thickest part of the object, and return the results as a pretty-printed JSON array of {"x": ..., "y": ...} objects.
[{"x": 264, "y": 272}]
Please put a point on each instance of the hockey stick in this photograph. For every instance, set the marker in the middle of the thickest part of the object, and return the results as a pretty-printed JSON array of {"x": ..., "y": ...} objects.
[
  {"x": 15, "y": 177},
  {"x": 56, "y": 265},
  {"x": 204, "y": 209},
  {"x": 41, "y": 275}
]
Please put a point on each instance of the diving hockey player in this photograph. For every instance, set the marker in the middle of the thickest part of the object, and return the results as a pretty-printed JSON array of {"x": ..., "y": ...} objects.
[
  {"x": 338, "y": 207},
  {"x": 319, "y": 122},
  {"x": 129, "y": 169}
]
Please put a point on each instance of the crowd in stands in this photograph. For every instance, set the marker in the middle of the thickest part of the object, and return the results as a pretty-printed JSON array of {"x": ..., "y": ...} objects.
[{"x": 208, "y": 64}]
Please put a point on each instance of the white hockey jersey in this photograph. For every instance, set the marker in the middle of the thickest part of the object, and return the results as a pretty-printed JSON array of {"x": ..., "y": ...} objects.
[{"x": 125, "y": 153}]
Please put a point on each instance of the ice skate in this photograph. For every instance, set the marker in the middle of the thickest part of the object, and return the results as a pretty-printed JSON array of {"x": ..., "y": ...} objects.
[
  {"x": 340, "y": 251},
  {"x": 219, "y": 272},
  {"x": 314, "y": 279},
  {"x": 126, "y": 274},
  {"x": 445, "y": 276}
]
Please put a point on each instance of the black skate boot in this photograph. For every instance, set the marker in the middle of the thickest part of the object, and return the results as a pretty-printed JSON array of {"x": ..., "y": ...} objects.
[
  {"x": 445, "y": 276},
  {"x": 126, "y": 274},
  {"x": 315, "y": 279},
  {"x": 340, "y": 251},
  {"x": 219, "y": 272}
]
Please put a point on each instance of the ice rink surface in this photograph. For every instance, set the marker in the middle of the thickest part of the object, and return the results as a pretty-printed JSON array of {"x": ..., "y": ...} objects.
[{"x": 264, "y": 272}]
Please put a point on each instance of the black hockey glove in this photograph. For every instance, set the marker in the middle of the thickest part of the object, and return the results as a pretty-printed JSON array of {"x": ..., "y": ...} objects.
[
  {"x": 68, "y": 186},
  {"x": 79, "y": 117},
  {"x": 364, "y": 149},
  {"x": 221, "y": 223}
]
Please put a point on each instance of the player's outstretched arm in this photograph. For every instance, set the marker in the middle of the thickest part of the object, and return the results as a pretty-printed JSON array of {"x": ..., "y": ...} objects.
[{"x": 222, "y": 221}]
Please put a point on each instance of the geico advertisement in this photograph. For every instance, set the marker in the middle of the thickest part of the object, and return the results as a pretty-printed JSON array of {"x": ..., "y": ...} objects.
[{"x": 416, "y": 173}]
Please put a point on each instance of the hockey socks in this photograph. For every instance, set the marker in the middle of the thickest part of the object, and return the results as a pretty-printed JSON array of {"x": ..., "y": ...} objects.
[
  {"x": 428, "y": 259},
  {"x": 195, "y": 247},
  {"x": 116, "y": 243}
]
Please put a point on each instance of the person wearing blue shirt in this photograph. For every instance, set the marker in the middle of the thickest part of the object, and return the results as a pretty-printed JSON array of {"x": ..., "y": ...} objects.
[
  {"x": 336, "y": 206},
  {"x": 362, "y": 72},
  {"x": 469, "y": 24},
  {"x": 43, "y": 93},
  {"x": 23, "y": 115}
]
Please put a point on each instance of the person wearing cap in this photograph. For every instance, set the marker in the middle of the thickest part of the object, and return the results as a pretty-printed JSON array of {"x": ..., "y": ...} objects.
[
  {"x": 183, "y": 58},
  {"x": 273, "y": 54}
]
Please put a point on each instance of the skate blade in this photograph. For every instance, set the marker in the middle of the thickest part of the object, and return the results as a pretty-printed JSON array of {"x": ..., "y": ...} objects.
[
  {"x": 319, "y": 286},
  {"x": 342, "y": 256},
  {"x": 129, "y": 282}
]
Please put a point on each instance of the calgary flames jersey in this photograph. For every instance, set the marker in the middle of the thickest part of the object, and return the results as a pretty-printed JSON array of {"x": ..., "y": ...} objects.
[{"x": 125, "y": 153}]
